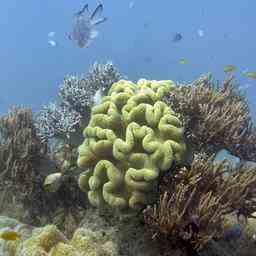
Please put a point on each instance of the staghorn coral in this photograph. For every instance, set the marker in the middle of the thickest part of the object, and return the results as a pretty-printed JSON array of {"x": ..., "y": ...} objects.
[
  {"x": 102, "y": 76},
  {"x": 76, "y": 97},
  {"x": 78, "y": 92},
  {"x": 132, "y": 137},
  {"x": 195, "y": 201},
  {"x": 56, "y": 121},
  {"x": 21, "y": 152},
  {"x": 215, "y": 117}
]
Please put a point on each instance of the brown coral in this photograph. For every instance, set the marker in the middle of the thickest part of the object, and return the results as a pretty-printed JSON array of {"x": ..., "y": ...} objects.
[
  {"x": 215, "y": 117},
  {"x": 194, "y": 202},
  {"x": 20, "y": 152}
]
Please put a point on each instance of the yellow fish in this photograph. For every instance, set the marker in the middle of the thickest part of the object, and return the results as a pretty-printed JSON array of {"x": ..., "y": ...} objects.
[
  {"x": 251, "y": 74},
  {"x": 9, "y": 235},
  {"x": 229, "y": 68},
  {"x": 183, "y": 61}
]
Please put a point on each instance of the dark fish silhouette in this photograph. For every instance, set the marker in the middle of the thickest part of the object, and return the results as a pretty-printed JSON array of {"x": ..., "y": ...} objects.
[
  {"x": 84, "y": 25},
  {"x": 177, "y": 37}
]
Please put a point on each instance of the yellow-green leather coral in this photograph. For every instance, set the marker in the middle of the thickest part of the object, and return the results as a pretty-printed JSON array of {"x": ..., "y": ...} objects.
[{"x": 132, "y": 136}]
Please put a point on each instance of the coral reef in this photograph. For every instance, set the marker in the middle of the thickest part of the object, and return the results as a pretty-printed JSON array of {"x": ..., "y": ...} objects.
[
  {"x": 195, "y": 201},
  {"x": 215, "y": 117},
  {"x": 21, "y": 154},
  {"x": 57, "y": 121},
  {"x": 102, "y": 76},
  {"x": 131, "y": 138},
  {"x": 76, "y": 97},
  {"x": 49, "y": 241},
  {"x": 25, "y": 163}
]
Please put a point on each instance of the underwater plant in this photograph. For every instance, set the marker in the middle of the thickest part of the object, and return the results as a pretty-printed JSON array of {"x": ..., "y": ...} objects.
[
  {"x": 215, "y": 117},
  {"x": 195, "y": 200},
  {"x": 132, "y": 137}
]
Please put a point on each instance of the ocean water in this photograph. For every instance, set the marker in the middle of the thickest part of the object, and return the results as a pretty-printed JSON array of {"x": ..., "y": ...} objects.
[
  {"x": 156, "y": 40},
  {"x": 138, "y": 40}
]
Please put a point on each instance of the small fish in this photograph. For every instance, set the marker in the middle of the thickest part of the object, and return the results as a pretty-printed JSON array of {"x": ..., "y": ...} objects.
[
  {"x": 183, "y": 61},
  {"x": 9, "y": 235},
  {"x": 52, "y": 43},
  {"x": 244, "y": 87},
  {"x": 97, "y": 97},
  {"x": 131, "y": 4},
  {"x": 229, "y": 68},
  {"x": 234, "y": 232},
  {"x": 51, "y": 34},
  {"x": 200, "y": 32},
  {"x": 251, "y": 74},
  {"x": 84, "y": 25},
  {"x": 177, "y": 37},
  {"x": 148, "y": 59},
  {"x": 146, "y": 25},
  {"x": 53, "y": 182}
]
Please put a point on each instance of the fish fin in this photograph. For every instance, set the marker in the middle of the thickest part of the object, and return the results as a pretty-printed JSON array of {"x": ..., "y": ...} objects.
[
  {"x": 98, "y": 21},
  {"x": 97, "y": 12},
  {"x": 94, "y": 34},
  {"x": 69, "y": 36},
  {"x": 88, "y": 43},
  {"x": 85, "y": 8}
]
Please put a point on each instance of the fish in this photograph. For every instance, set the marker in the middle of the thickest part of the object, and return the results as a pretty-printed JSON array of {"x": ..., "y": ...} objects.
[
  {"x": 84, "y": 25},
  {"x": 251, "y": 74},
  {"x": 131, "y": 4},
  {"x": 146, "y": 25},
  {"x": 148, "y": 59},
  {"x": 51, "y": 34},
  {"x": 52, "y": 43},
  {"x": 53, "y": 182},
  {"x": 177, "y": 37},
  {"x": 244, "y": 87},
  {"x": 183, "y": 61},
  {"x": 200, "y": 32},
  {"x": 229, "y": 68},
  {"x": 9, "y": 235},
  {"x": 233, "y": 232},
  {"x": 97, "y": 97}
]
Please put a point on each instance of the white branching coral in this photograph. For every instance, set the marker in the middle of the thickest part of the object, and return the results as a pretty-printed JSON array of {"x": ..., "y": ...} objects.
[
  {"x": 56, "y": 120},
  {"x": 76, "y": 97},
  {"x": 102, "y": 76},
  {"x": 77, "y": 93}
]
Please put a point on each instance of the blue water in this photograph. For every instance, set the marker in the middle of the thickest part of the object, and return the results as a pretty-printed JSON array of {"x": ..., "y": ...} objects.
[{"x": 138, "y": 40}]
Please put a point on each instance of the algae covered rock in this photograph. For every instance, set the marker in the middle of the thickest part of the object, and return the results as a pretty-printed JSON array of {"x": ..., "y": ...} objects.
[
  {"x": 49, "y": 241},
  {"x": 131, "y": 138}
]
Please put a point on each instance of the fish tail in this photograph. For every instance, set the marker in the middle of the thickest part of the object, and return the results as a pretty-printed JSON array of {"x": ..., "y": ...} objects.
[{"x": 97, "y": 11}]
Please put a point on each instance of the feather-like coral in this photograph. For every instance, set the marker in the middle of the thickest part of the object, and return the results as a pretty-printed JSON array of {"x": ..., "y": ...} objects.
[
  {"x": 194, "y": 202},
  {"x": 215, "y": 117}
]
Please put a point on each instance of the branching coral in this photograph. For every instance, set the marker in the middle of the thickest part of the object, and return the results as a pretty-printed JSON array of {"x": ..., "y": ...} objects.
[
  {"x": 215, "y": 117},
  {"x": 20, "y": 153},
  {"x": 56, "y": 121},
  {"x": 78, "y": 93},
  {"x": 102, "y": 76},
  {"x": 132, "y": 137},
  {"x": 76, "y": 97},
  {"x": 194, "y": 202}
]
